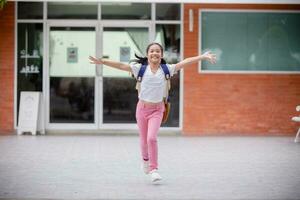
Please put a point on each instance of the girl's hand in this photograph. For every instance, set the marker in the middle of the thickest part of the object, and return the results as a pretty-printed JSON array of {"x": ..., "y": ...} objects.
[
  {"x": 94, "y": 60},
  {"x": 212, "y": 58}
]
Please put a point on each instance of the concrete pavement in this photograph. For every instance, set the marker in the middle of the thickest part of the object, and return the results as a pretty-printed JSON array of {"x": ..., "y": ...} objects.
[{"x": 108, "y": 167}]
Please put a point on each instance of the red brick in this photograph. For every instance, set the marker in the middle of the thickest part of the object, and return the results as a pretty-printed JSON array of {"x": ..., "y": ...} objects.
[{"x": 7, "y": 22}]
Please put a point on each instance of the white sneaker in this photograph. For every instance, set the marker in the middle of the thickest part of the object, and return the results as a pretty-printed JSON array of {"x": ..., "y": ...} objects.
[
  {"x": 145, "y": 166},
  {"x": 155, "y": 176}
]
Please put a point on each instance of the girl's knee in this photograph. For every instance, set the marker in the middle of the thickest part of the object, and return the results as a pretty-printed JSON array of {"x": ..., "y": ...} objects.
[{"x": 152, "y": 140}]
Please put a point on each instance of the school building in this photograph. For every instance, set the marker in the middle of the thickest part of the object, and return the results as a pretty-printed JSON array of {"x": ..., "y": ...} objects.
[{"x": 252, "y": 90}]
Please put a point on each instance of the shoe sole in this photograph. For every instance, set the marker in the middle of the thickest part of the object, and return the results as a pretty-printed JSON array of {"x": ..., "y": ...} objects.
[{"x": 156, "y": 180}]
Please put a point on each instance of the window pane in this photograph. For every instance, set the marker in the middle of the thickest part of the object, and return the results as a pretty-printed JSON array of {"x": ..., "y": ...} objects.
[
  {"x": 72, "y": 79},
  {"x": 119, "y": 100},
  {"x": 126, "y": 11},
  {"x": 167, "y": 11},
  {"x": 121, "y": 44},
  {"x": 119, "y": 93},
  {"x": 72, "y": 100},
  {"x": 169, "y": 37},
  {"x": 252, "y": 41},
  {"x": 29, "y": 58},
  {"x": 79, "y": 10},
  {"x": 30, "y": 10},
  {"x": 70, "y": 48}
]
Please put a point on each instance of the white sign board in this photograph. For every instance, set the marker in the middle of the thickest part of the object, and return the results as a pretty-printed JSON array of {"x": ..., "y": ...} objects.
[{"x": 30, "y": 113}]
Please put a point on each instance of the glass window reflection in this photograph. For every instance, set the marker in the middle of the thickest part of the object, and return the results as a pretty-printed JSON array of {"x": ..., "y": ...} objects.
[
  {"x": 72, "y": 77},
  {"x": 78, "y": 10},
  {"x": 30, "y": 10},
  {"x": 119, "y": 93},
  {"x": 169, "y": 36},
  {"x": 167, "y": 11},
  {"x": 29, "y": 58},
  {"x": 126, "y": 10},
  {"x": 69, "y": 49},
  {"x": 72, "y": 100}
]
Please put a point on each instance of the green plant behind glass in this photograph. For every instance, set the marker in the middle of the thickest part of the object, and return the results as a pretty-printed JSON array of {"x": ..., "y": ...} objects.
[{"x": 2, "y": 3}]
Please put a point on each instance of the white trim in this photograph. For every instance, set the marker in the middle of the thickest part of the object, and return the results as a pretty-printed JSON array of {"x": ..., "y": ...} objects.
[
  {"x": 165, "y": 132},
  {"x": 99, "y": 11},
  {"x": 191, "y": 20},
  {"x": 167, "y": 22},
  {"x": 119, "y": 126},
  {"x": 45, "y": 11},
  {"x": 46, "y": 75},
  {"x": 45, "y": 72},
  {"x": 16, "y": 68},
  {"x": 131, "y": 126},
  {"x": 181, "y": 86},
  {"x": 72, "y": 23},
  {"x": 152, "y": 29},
  {"x": 28, "y": 21},
  {"x": 199, "y": 40},
  {"x": 106, "y": 126},
  {"x": 67, "y": 126},
  {"x": 125, "y": 23},
  {"x": 237, "y": 71},
  {"x": 153, "y": 11},
  {"x": 98, "y": 78}
]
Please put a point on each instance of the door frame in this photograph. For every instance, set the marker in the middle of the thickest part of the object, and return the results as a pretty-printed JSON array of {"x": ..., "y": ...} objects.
[{"x": 98, "y": 107}]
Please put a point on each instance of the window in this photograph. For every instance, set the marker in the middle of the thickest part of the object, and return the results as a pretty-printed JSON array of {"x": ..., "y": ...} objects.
[
  {"x": 30, "y": 10},
  {"x": 251, "y": 41},
  {"x": 58, "y": 10},
  {"x": 71, "y": 90},
  {"x": 119, "y": 93},
  {"x": 169, "y": 36},
  {"x": 29, "y": 58},
  {"x": 69, "y": 49},
  {"x": 167, "y": 11},
  {"x": 126, "y": 11}
]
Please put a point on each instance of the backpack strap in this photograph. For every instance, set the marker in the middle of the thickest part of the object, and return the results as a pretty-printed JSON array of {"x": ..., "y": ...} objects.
[
  {"x": 140, "y": 77},
  {"x": 141, "y": 73},
  {"x": 167, "y": 76},
  {"x": 166, "y": 71}
]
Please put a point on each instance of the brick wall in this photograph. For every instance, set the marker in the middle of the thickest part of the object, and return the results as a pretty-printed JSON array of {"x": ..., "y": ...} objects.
[
  {"x": 7, "y": 20},
  {"x": 236, "y": 104}
]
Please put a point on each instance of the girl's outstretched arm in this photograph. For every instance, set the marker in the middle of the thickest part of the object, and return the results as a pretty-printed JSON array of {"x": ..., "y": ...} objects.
[
  {"x": 206, "y": 56},
  {"x": 110, "y": 63}
]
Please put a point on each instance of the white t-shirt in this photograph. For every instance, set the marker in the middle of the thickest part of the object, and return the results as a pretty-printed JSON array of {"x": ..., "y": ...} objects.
[{"x": 153, "y": 86}]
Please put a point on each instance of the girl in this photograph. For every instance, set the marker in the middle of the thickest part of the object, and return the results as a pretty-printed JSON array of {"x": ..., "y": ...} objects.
[{"x": 150, "y": 107}]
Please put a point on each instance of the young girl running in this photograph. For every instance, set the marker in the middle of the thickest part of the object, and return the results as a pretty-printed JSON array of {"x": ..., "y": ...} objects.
[{"x": 150, "y": 107}]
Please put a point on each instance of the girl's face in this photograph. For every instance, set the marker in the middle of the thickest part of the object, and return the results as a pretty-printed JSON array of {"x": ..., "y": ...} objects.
[{"x": 154, "y": 54}]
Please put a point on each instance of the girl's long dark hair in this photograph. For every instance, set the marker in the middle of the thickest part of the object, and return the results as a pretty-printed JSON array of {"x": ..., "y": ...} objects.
[{"x": 144, "y": 60}]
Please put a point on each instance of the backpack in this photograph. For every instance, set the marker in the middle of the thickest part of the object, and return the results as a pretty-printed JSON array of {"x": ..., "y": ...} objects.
[{"x": 168, "y": 87}]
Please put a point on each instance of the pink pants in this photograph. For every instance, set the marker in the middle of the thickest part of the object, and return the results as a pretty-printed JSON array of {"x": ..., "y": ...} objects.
[{"x": 149, "y": 120}]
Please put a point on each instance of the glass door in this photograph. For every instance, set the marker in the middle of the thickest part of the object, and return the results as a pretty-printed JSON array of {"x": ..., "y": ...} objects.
[
  {"x": 119, "y": 100},
  {"x": 71, "y": 80}
]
